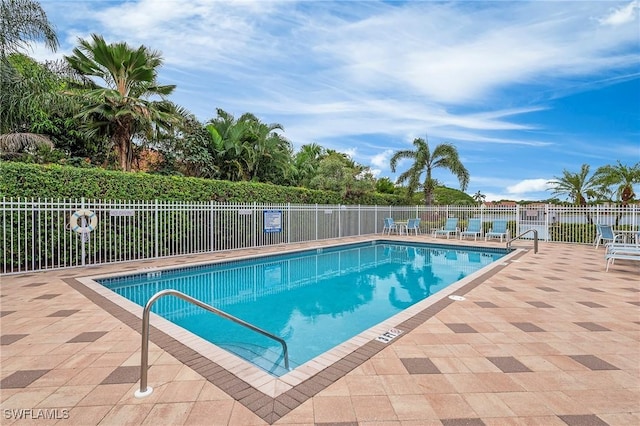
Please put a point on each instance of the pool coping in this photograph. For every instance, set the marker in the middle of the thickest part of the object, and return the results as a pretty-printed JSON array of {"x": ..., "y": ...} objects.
[{"x": 267, "y": 396}]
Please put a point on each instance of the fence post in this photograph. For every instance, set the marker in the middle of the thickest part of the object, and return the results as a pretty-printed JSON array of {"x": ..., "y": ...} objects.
[
  {"x": 210, "y": 228},
  {"x": 375, "y": 219},
  {"x": 254, "y": 224},
  {"x": 288, "y": 222},
  {"x": 81, "y": 234},
  {"x": 156, "y": 227},
  {"x": 34, "y": 234}
]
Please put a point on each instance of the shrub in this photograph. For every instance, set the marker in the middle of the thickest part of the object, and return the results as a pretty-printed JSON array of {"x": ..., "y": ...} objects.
[{"x": 55, "y": 181}]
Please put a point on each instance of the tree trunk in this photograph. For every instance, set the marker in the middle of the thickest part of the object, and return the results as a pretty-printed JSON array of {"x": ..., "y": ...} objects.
[
  {"x": 428, "y": 197},
  {"x": 123, "y": 146},
  {"x": 627, "y": 194},
  {"x": 429, "y": 188}
]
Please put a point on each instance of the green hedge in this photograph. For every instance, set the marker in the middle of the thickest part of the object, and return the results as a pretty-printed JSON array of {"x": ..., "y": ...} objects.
[{"x": 55, "y": 181}]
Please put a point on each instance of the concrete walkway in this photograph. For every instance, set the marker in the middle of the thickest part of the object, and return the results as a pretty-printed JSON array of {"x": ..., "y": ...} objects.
[{"x": 547, "y": 338}]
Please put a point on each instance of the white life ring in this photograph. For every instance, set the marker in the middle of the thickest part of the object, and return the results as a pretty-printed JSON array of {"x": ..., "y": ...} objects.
[{"x": 91, "y": 218}]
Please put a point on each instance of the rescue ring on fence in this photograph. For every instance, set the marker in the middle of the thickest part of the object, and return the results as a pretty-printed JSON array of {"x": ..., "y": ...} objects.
[{"x": 91, "y": 218}]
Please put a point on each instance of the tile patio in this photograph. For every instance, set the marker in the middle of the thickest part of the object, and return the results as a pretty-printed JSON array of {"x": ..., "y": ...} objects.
[{"x": 547, "y": 338}]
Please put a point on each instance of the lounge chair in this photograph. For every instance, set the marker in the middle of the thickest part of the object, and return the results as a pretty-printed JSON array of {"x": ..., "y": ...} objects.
[
  {"x": 621, "y": 251},
  {"x": 605, "y": 234},
  {"x": 498, "y": 230},
  {"x": 389, "y": 225},
  {"x": 473, "y": 228},
  {"x": 413, "y": 225},
  {"x": 450, "y": 227}
]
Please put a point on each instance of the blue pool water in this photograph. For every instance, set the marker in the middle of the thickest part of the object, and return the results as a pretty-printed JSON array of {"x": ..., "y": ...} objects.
[{"x": 314, "y": 299}]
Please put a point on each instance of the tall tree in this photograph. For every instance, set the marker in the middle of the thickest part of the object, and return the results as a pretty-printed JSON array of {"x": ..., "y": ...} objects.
[
  {"x": 479, "y": 197},
  {"x": 306, "y": 162},
  {"x": 619, "y": 177},
  {"x": 384, "y": 185},
  {"x": 131, "y": 103},
  {"x": 338, "y": 172},
  {"x": 424, "y": 161},
  {"x": 225, "y": 144},
  {"x": 22, "y": 22},
  {"x": 247, "y": 149},
  {"x": 37, "y": 105},
  {"x": 577, "y": 186},
  {"x": 267, "y": 153},
  {"x": 187, "y": 150}
]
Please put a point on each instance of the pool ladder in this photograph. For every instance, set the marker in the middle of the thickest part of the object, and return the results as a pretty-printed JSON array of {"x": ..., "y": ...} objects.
[
  {"x": 144, "y": 352},
  {"x": 535, "y": 239}
]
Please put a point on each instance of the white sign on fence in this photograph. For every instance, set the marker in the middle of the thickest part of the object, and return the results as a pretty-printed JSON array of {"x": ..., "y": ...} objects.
[
  {"x": 273, "y": 221},
  {"x": 118, "y": 213}
]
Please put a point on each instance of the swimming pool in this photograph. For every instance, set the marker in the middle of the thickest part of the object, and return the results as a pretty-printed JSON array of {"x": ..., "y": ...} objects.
[{"x": 313, "y": 299}]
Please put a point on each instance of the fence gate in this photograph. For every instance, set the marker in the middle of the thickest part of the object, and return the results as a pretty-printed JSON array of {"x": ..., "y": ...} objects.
[{"x": 534, "y": 217}]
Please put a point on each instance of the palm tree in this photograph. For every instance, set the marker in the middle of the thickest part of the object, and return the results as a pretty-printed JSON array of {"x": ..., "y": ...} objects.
[
  {"x": 122, "y": 109},
  {"x": 21, "y": 22},
  {"x": 306, "y": 162},
  {"x": 232, "y": 142},
  {"x": 577, "y": 186},
  {"x": 225, "y": 144},
  {"x": 268, "y": 153},
  {"x": 621, "y": 177},
  {"x": 247, "y": 149},
  {"x": 19, "y": 142},
  {"x": 479, "y": 197},
  {"x": 424, "y": 161},
  {"x": 384, "y": 185}
]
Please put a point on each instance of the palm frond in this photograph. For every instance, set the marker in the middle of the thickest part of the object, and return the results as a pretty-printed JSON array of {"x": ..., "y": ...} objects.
[{"x": 21, "y": 142}]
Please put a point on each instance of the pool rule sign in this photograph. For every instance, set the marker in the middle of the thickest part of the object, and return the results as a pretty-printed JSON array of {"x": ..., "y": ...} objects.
[{"x": 273, "y": 221}]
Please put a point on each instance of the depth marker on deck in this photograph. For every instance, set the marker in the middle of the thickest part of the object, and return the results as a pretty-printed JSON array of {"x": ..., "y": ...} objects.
[{"x": 389, "y": 335}]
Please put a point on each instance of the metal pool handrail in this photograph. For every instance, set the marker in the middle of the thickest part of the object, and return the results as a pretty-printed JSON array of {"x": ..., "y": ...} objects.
[
  {"x": 144, "y": 352},
  {"x": 535, "y": 239}
]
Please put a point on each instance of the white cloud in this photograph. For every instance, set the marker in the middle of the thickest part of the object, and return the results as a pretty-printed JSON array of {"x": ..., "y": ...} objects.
[
  {"x": 507, "y": 189},
  {"x": 416, "y": 51},
  {"x": 381, "y": 160},
  {"x": 42, "y": 53},
  {"x": 528, "y": 185},
  {"x": 351, "y": 152},
  {"x": 375, "y": 172},
  {"x": 622, "y": 15}
]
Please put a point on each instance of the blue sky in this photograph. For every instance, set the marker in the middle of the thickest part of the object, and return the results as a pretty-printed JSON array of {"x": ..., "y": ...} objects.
[{"x": 523, "y": 89}]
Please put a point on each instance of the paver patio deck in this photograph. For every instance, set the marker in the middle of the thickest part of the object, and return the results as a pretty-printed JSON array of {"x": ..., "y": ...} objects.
[{"x": 548, "y": 338}]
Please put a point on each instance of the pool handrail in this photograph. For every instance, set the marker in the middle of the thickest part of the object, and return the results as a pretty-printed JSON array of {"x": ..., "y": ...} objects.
[
  {"x": 144, "y": 351},
  {"x": 535, "y": 239}
]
